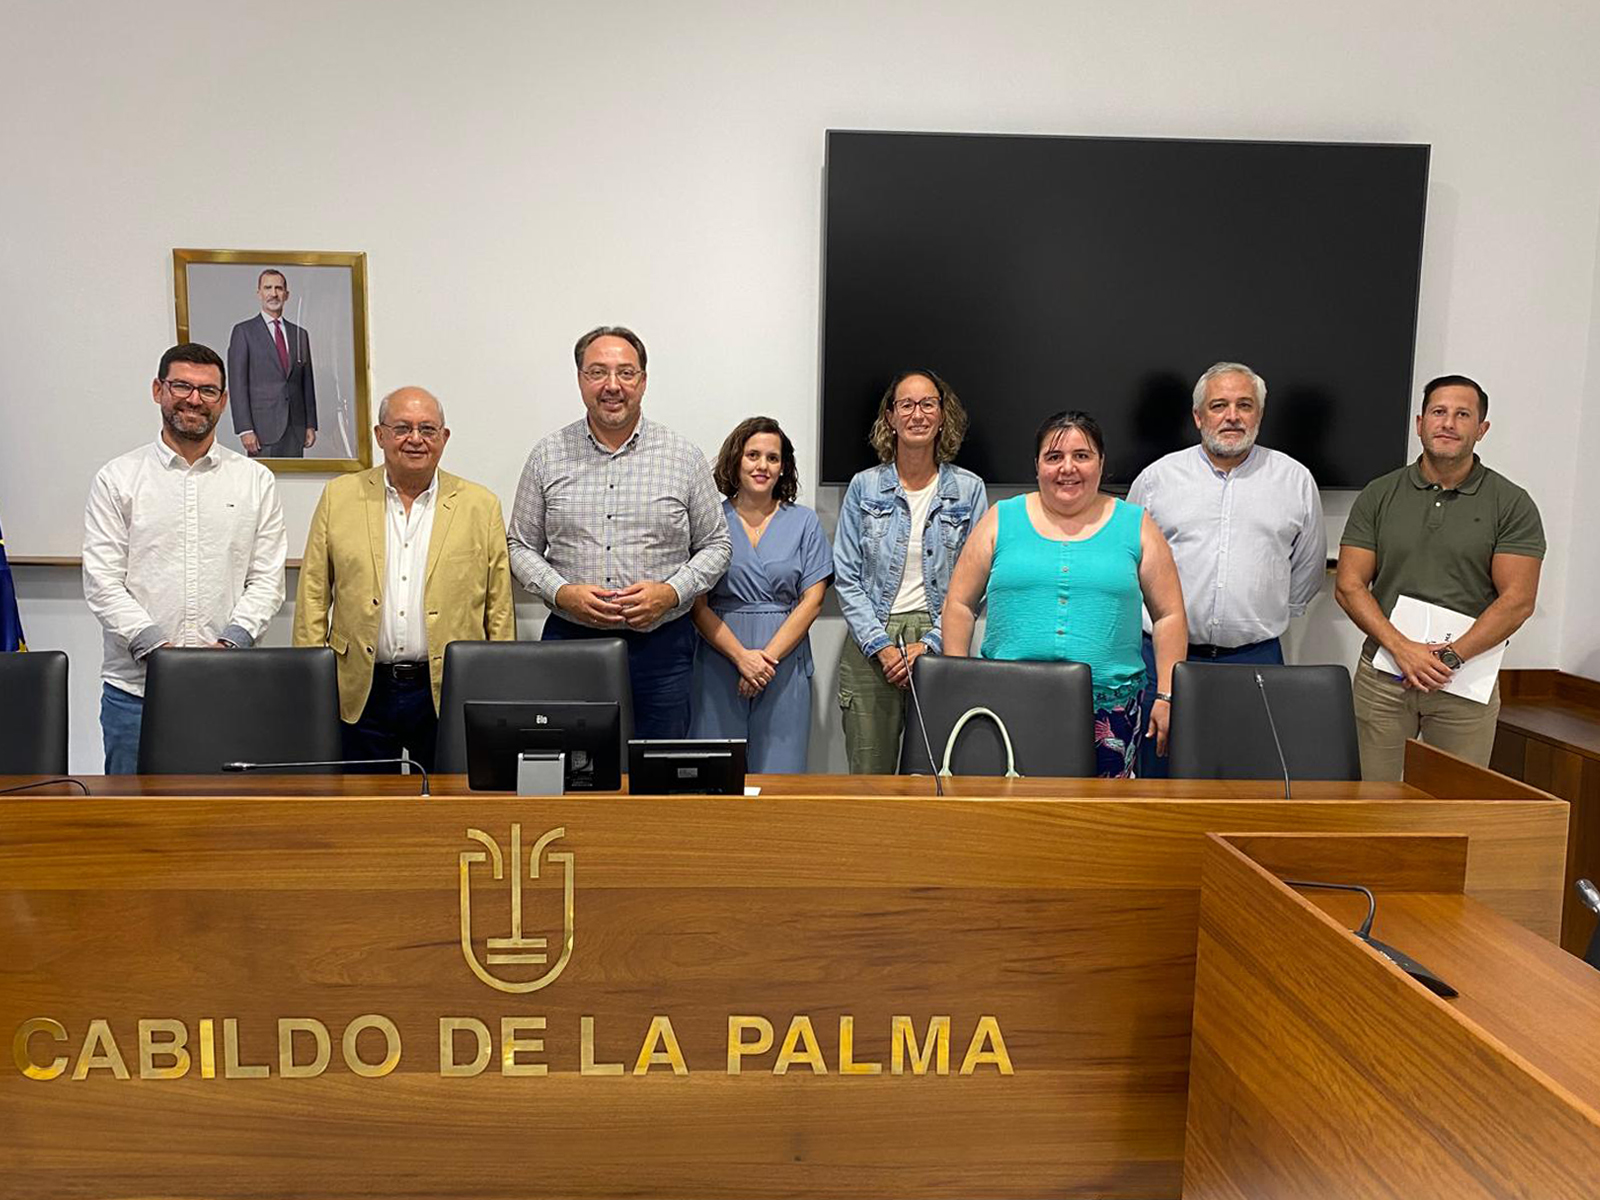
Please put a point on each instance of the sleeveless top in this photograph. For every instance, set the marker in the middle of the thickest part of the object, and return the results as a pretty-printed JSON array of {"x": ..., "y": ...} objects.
[{"x": 1076, "y": 601}]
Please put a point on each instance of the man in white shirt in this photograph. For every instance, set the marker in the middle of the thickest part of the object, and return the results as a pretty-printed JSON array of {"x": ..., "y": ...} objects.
[
  {"x": 401, "y": 561},
  {"x": 1245, "y": 526},
  {"x": 183, "y": 544}
]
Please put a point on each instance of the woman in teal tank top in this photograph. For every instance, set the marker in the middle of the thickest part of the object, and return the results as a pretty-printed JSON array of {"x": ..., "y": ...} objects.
[{"x": 1064, "y": 570}]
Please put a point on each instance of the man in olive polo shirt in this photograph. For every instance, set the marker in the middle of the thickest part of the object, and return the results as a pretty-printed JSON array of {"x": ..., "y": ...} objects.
[{"x": 1450, "y": 531}]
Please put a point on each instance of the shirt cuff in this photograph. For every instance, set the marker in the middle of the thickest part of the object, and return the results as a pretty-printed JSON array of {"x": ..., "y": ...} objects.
[
  {"x": 146, "y": 640},
  {"x": 933, "y": 641},
  {"x": 684, "y": 584},
  {"x": 878, "y": 643},
  {"x": 236, "y": 636}
]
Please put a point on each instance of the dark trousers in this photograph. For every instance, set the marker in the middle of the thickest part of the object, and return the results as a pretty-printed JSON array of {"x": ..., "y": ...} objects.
[
  {"x": 1153, "y": 765},
  {"x": 291, "y": 445},
  {"x": 399, "y": 717},
  {"x": 660, "y": 671}
]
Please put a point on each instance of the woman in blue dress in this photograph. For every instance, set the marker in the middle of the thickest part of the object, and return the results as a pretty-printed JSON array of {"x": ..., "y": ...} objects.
[{"x": 752, "y": 669}]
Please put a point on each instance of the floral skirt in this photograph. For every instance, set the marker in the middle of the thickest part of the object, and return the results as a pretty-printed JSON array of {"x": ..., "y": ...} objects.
[{"x": 1118, "y": 734}]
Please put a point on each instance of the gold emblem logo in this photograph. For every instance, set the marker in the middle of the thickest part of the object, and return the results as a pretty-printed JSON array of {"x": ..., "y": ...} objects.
[{"x": 516, "y": 950}]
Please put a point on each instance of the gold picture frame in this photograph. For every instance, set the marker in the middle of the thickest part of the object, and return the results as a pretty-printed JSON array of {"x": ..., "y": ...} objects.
[{"x": 318, "y": 372}]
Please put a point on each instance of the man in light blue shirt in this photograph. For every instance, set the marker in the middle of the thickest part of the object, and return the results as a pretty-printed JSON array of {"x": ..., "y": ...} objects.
[{"x": 1245, "y": 526}]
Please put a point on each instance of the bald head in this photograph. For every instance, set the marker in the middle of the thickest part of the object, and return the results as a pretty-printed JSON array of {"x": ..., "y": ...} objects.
[{"x": 411, "y": 394}]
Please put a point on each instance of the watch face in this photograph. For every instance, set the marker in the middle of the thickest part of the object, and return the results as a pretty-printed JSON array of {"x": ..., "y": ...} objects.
[{"x": 1450, "y": 658}]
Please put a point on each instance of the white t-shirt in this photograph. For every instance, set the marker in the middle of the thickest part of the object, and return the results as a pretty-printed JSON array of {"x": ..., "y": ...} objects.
[{"x": 913, "y": 596}]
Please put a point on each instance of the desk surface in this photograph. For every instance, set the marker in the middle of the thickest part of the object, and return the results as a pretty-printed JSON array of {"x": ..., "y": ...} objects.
[
  {"x": 888, "y": 787},
  {"x": 1526, "y": 993}
]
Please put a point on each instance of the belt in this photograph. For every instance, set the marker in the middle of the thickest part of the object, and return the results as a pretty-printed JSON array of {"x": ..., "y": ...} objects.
[
  {"x": 1196, "y": 650},
  {"x": 404, "y": 672}
]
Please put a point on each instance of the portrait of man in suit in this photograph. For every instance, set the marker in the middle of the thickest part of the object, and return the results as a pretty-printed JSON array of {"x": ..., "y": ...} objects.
[{"x": 274, "y": 390}]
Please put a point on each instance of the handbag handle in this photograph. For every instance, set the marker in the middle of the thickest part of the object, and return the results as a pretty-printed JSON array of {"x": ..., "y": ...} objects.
[{"x": 1005, "y": 736}]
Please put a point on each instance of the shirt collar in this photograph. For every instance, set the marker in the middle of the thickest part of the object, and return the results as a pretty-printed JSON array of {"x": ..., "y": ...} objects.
[
  {"x": 601, "y": 447},
  {"x": 269, "y": 320},
  {"x": 1468, "y": 486},
  {"x": 1249, "y": 460},
  {"x": 426, "y": 493},
  {"x": 170, "y": 458},
  {"x": 889, "y": 479}
]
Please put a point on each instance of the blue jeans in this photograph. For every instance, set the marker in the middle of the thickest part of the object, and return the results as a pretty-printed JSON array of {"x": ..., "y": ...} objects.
[
  {"x": 1154, "y": 766},
  {"x": 121, "y": 714},
  {"x": 660, "y": 671}
]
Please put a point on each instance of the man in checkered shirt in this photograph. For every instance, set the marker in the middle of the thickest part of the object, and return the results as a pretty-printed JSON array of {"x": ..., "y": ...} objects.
[{"x": 617, "y": 526}]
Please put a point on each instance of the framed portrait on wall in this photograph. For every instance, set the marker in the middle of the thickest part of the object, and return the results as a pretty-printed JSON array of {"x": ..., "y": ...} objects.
[{"x": 292, "y": 327}]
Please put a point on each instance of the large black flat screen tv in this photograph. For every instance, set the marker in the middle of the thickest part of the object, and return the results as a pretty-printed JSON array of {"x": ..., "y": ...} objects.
[{"x": 1105, "y": 274}]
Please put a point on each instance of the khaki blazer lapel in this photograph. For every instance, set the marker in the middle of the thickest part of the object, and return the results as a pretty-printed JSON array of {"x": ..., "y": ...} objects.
[
  {"x": 377, "y": 526},
  {"x": 444, "y": 513}
]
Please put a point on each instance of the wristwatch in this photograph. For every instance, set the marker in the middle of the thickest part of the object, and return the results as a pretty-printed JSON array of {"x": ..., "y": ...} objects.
[
  {"x": 1167, "y": 696},
  {"x": 1449, "y": 657}
]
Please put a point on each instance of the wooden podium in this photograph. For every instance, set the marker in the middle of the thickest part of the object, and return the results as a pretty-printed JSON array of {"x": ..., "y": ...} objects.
[
  {"x": 840, "y": 988},
  {"x": 1320, "y": 1070}
]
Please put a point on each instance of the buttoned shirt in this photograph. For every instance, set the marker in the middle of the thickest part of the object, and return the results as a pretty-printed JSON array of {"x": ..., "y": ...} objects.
[
  {"x": 403, "y": 630},
  {"x": 646, "y": 511},
  {"x": 1437, "y": 543},
  {"x": 180, "y": 553},
  {"x": 1249, "y": 543}
]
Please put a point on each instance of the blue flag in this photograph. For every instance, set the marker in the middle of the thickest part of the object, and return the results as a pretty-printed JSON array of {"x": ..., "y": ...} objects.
[{"x": 10, "y": 618}]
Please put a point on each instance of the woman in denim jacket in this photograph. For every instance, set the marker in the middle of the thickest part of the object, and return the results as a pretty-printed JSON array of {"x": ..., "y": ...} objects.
[{"x": 901, "y": 528}]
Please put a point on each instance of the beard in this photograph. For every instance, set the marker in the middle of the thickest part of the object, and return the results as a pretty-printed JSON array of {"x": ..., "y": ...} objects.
[
  {"x": 1236, "y": 449},
  {"x": 190, "y": 426}
]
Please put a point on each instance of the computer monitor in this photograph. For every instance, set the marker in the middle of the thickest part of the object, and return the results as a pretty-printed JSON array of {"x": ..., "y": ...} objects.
[
  {"x": 587, "y": 732},
  {"x": 664, "y": 766}
]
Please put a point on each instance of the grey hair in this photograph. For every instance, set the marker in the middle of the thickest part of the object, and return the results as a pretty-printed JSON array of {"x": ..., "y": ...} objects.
[
  {"x": 383, "y": 405},
  {"x": 1230, "y": 368}
]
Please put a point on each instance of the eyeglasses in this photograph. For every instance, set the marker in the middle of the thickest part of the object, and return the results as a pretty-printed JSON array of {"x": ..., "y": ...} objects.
[
  {"x": 402, "y": 431},
  {"x": 599, "y": 374},
  {"x": 907, "y": 406},
  {"x": 182, "y": 390}
]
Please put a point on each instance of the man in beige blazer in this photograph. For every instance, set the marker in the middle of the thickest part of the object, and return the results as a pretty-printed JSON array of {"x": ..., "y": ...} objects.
[{"x": 401, "y": 561}]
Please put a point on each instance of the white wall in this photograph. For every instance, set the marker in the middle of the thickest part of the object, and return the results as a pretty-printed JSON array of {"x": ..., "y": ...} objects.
[
  {"x": 1580, "y": 627},
  {"x": 519, "y": 172}
]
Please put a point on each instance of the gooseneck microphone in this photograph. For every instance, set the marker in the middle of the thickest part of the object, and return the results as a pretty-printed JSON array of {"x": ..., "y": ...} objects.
[
  {"x": 335, "y": 762},
  {"x": 39, "y": 783},
  {"x": 1273, "y": 725},
  {"x": 1398, "y": 957},
  {"x": 900, "y": 644}
]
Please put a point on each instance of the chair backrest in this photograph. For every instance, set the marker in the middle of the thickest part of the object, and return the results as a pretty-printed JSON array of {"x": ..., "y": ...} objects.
[
  {"x": 1220, "y": 730},
  {"x": 203, "y": 708},
  {"x": 581, "y": 669},
  {"x": 33, "y": 713},
  {"x": 1047, "y": 708}
]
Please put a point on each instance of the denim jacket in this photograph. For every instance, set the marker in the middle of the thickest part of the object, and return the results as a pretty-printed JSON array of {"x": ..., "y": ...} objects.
[{"x": 869, "y": 547}]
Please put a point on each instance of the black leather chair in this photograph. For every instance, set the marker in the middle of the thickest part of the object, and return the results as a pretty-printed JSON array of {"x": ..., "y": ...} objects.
[
  {"x": 1220, "y": 730},
  {"x": 33, "y": 713},
  {"x": 581, "y": 669},
  {"x": 1047, "y": 707},
  {"x": 203, "y": 708}
]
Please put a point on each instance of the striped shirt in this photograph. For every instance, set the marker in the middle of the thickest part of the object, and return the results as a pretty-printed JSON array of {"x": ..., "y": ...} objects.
[
  {"x": 1249, "y": 543},
  {"x": 613, "y": 518}
]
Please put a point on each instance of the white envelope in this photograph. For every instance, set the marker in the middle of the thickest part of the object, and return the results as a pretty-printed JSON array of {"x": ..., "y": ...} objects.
[{"x": 1424, "y": 622}]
